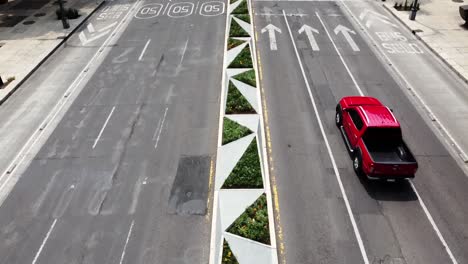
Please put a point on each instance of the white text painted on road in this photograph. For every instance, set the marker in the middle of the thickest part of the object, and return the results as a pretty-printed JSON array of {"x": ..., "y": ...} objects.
[
  {"x": 347, "y": 35},
  {"x": 309, "y": 31},
  {"x": 395, "y": 42},
  {"x": 271, "y": 35},
  {"x": 181, "y": 9}
]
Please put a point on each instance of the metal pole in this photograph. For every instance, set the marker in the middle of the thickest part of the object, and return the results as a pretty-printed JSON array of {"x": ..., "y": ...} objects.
[
  {"x": 414, "y": 9},
  {"x": 63, "y": 15}
]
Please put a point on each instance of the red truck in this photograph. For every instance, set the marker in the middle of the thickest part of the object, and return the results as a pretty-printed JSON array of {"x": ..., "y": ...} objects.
[{"x": 374, "y": 138}]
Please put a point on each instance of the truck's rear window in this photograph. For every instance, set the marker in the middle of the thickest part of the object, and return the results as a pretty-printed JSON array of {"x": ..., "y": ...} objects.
[{"x": 382, "y": 135}]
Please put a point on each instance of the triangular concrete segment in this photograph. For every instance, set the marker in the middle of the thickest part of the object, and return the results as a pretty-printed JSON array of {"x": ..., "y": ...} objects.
[
  {"x": 244, "y": 25},
  {"x": 249, "y": 92},
  {"x": 232, "y": 53},
  {"x": 242, "y": 38},
  {"x": 228, "y": 156},
  {"x": 234, "y": 202},
  {"x": 236, "y": 71},
  {"x": 249, "y": 121},
  {"x": 233, "y": 6},
  {"x": 248, "y": 251}
]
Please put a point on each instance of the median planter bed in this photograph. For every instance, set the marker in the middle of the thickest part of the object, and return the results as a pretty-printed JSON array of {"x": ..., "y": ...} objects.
[
  {"x": 247, "y": 173},
  {"x": 232, "y": 43},
  {"x": 228, "y": 256},
  {"x": 247, "y": 77},
  {"x": 241, "y": 8},
  {"x": 243, "y": 17},
  {"x": 243, "y": 60},
  {"x": 236, "y": 30},
  {"x": 236, "y": 102},
  {"x": 232, "y": 131},
  {"x": 253, "y": 223}
]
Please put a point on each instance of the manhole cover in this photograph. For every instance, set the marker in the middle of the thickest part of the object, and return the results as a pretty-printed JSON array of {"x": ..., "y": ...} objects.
[
  {"x": 39, "y": 14},
  {"x": 30, "y": 22}
]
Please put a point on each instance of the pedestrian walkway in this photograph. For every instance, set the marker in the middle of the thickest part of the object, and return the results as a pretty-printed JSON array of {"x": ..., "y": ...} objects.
[
  {"x": 439, "y": 25},
  {"x": 29, "y": 33}
]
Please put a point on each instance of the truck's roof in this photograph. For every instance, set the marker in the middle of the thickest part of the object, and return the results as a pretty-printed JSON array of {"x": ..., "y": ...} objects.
[{"x": 378, "y": 116}]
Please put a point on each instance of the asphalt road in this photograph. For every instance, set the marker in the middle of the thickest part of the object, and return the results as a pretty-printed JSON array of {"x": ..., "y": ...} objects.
[
  {"x": 124, "y": 176},
  {"x": 315, "y": 222}
]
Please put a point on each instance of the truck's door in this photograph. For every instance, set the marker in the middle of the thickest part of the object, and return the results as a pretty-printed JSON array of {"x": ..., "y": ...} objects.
[{"x": 353, "y": 124}]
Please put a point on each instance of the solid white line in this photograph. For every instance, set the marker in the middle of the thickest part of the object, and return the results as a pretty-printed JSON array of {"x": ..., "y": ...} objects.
[
  {"x": 183, "y": 52},
  {"x": 421, "y": 202},
  {"x": 103, "y": 127},
  {"x": 144, "y": 49},
  {"x": 339, "y": 54},
  {"x": 126, "y": 242},
  {"x": 330, "y": 154},
  {"x": 44, "y": 242},
  {"x": 434, "y": 226},
  {"x": 34, "y": 138},
  {"x": 160, "y": 128}
]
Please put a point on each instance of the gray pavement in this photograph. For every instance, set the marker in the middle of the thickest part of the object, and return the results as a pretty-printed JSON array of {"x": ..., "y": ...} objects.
[
  {"x": 115, "y": 181},
  {"x": 390, "y": 219}
]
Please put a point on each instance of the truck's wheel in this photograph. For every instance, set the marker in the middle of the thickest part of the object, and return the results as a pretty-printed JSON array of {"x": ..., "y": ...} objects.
[
  {"x": 338, "y": 116},
  {"x": 357, "y": 163}
]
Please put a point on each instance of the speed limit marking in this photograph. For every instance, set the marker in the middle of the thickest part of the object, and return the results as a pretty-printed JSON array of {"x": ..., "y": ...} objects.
[
  {"x": 214, "y": 8},
  {"x": 149, "y": 11},
  {"x": 181, "y": 9}
]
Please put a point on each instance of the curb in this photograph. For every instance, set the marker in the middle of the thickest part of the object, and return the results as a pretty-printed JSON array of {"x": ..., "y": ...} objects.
[
  {"x": 10, "y": 93},
  {"x": 462, "y": 77}
]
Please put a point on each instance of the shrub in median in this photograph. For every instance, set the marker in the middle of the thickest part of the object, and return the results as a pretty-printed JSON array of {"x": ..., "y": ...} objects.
[
  {"x": 228, "y": 256},
  {"x": 247, "y": 173},
  {"x": 236, "y": 102},
  {"x": 232, "y": 43},
  {"x": 243, "y": 17},
  {"x": 247, "y": 77},
  {"x": 241, "y": 8},
  {"x": 232, "y": 131},
  {"x": 243, "y": 59},
  {"x": 253, "y": 223},
  {"x": 236, "y": 30}
]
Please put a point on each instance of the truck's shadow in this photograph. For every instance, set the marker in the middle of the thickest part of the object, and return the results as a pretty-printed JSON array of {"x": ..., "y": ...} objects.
[{"x": 388, "y": 191}]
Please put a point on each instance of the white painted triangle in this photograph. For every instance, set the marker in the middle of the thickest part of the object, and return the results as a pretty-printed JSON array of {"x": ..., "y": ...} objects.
[
  {"x": 248, "y": 251},
  {"x": 232, "y": 53},
  {"x": 233, "y": 6},
  {"x": 249, "y": 92},
  {"x": 228, "y": 156},
  {"x": 246, "y": 26},
  {"x": 249, "y": 121},
  {"x": 236, "y": 71},
  {"x": 242, "y": 38},
  {"x": 233, "y": 203}
]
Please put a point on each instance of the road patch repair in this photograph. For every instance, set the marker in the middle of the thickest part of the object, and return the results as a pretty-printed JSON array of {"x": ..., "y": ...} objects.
[{"x": 243, "y": 229}]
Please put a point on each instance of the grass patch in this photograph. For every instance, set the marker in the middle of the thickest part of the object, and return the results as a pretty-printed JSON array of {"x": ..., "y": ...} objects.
[
  {"x": 232, "y": 43},
  {"x": 228, "y": 256},
  {"x": 253, "y": 223},
  {"x": 236, "y": 30},
  {"x": 236, "y": 102},
  {"x": 243, "y": 60},
  {"x": 247, "y": 173},
  {"x": 247, "y": 77},
  {"x": 241, "y": 8},
  {"x": 243, "y": 17},
  {"x": 232, "y": 131},
  {"x": 233, "y": 1}
]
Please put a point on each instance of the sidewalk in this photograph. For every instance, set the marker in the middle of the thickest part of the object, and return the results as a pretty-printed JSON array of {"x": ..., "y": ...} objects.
[
  {"x": 23, "y": 47},
  {"x": 438, "y": 24}
]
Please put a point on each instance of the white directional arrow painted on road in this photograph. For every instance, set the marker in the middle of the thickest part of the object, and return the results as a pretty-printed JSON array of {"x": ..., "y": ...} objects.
[
  {"x": 92, "y": 37},
  {"x": 271, "y": 34},
  {"x": 309, "y": 31},
  {"x": 346, "y": 33},
  {"x": 372, "y": 16}
]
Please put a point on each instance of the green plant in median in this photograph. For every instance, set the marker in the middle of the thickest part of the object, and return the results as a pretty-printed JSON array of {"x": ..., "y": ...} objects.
[
  {"x": 247, "y": 173},
  {"x": 253, "y": 223},
  {"x": 232, "y": 131},
  {"x": 236, "y": 30},
  {"x": 243, "y": 59},
  {"x": 236, "y": 102},
  {"x": 241, "y": 8},
  {"x": 233, "y": 1},
  {"x": 232, "y": 43},
  {"x": 247, "y": 77},
  {"x": 228, "y": 256},
  {"x": 243, "y": 17}
]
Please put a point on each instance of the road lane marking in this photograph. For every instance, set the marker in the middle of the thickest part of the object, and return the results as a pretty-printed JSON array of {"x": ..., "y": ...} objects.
[
  {"x": 103, "y": 127},
  {"x": 161, "y": 128},
  {"x": 325, "y": 138},
  {"x": 421, "y": 202},
  {"x": 183, "y": 52},
  {"x": 271, "y": 35},
  {"x": 44, "y": 241},
  {"x": 339, "y": 53},
  {"x": 309, "y": 31},
  {"x": 144, "y": 49},
  {"x": 347, "y": 35},
  {"x": 126, "y": 242}
]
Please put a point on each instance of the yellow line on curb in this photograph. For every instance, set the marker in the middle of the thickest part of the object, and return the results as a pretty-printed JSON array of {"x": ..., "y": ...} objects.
[{"x": 210, "y": 183}]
